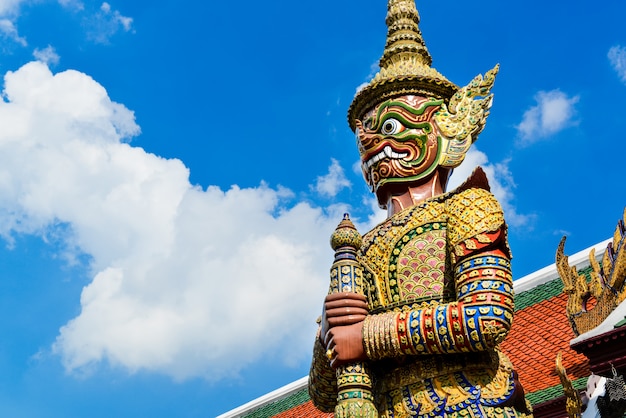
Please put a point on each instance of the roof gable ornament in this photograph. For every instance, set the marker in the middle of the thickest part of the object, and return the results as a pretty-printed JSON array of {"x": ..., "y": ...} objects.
[{"x": 605, "y": 285}]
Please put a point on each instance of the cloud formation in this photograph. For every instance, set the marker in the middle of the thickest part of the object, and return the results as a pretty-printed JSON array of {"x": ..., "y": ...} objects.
[
  {"x": 617, "y": 58},
  {"x": 553, "y": 112},
  {"x": 333, "y": 182},
  {"x": 47, "y": 55},
  {"x": 185, "y": 281},
  {"x": 72, "y": 4},
  {"x": 8, "y": 29},
  {"x": 100, "y": 24},
  {"x": 106, "y": 22},
  {"x": 374, "y": 68}
]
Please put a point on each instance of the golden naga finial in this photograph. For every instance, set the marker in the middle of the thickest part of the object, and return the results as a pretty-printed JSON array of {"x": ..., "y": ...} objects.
[
  {"x": 574, "y": 404},
  {"x": 574, "y": 285},
  {"x": 606, "y": 283}
]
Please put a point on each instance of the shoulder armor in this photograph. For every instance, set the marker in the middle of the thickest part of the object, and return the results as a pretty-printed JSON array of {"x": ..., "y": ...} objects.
[{"x": 472, "y": 212}]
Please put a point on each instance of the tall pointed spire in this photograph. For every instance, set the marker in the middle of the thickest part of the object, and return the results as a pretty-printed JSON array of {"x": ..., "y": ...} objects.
[
  {"x": 405, "y": 67},
  {"x": 404, "y": 39}
]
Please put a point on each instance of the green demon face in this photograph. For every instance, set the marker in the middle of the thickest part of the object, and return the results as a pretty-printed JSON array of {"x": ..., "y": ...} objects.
[{"x": 398, "y": 141}]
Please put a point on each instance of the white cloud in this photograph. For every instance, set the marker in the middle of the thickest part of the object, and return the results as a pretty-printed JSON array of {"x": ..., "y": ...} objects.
[
  {"x": 9, "y": 31},
  {"x": 10, "y": 7},
  {"x": 101, "y": 25},
  {"x": 374, "y": 68},
  {"x": 376, "y": 216},
  {"x": 9, "y": 12},
  {"x": 333, "y": 182},
  {"x": 72, "y": 4},
  {"x": 186, "y": 282},
  {"x": 361, "y": 86},
  {"x": 116, "y": 16},
  {"x": 554, "y": 112},
  {"x": 106, "y": 23},
  {"x": 47, "y": 55},
  {"x": 500, "y": 180},
  {"x": 617, "y": 58}
]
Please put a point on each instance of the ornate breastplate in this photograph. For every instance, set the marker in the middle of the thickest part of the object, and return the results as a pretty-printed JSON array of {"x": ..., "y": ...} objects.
[{"x": 406, "y": 259}]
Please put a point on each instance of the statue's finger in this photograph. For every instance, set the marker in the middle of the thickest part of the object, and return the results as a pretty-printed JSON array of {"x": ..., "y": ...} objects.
[
  {"x": 345, "y": 320},
  {"x": 337, "y": 312},
  {"x": 346, "y": 303},
  {"x": 345, "y": 295}
]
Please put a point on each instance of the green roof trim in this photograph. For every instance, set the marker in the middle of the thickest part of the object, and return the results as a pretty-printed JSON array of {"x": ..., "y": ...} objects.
[
  {"x": 538, "y": 294},
  {"x": 281, "y": 405},
  {"x": 544, "y": 291},
  {"x": 554, "y": 392}
]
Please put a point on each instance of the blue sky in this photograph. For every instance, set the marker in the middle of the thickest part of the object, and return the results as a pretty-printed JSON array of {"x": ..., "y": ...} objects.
[{"x": 170, "y": 173}]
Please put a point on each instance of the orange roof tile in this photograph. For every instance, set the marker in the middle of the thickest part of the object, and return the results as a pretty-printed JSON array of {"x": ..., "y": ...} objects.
[
  {"x": 306, "y": 410},
  {"x": 539, "y": 332}
]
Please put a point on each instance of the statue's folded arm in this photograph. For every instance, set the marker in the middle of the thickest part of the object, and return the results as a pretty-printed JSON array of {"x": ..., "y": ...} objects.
[
  {"x": 481, "y": 315},
  {"x": 479, "y": 319}
]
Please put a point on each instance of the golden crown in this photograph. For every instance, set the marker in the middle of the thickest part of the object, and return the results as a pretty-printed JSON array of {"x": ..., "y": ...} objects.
[{"x": 405, "y": 67}]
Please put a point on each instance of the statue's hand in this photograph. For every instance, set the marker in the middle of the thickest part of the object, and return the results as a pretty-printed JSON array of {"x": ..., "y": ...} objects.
[
  {"x": 345, "y": 344},
  {"x": 342, "y": 309}
]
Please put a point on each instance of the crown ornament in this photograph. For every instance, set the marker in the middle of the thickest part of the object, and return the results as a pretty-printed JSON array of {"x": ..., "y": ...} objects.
[{"x": 405, "y": 69}]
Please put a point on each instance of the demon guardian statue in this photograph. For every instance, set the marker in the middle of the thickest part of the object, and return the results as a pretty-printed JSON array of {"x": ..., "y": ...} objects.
[{"x": 418, "y": 306}]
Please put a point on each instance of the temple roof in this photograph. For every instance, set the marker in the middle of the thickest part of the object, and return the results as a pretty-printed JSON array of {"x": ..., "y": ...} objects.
[{"x": 540, "y": 330}]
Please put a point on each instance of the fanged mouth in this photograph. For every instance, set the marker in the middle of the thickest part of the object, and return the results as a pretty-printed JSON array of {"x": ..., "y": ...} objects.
[{"x": 387, "y": 152}]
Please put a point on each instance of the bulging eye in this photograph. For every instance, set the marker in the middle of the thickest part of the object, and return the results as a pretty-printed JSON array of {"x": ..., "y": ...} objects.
[{"x": 391, "y": 127}]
